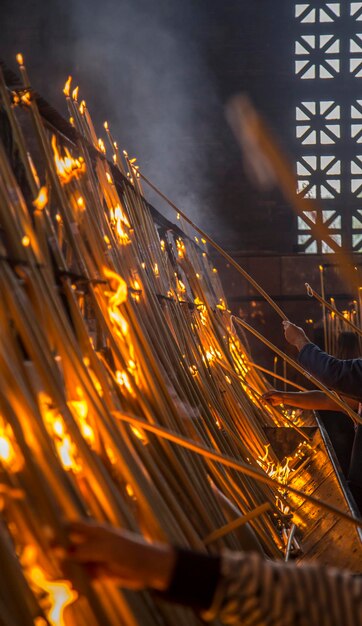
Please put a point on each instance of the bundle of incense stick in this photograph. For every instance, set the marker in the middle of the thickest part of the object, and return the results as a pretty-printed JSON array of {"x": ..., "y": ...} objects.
[{"x": 107, "y": 324}]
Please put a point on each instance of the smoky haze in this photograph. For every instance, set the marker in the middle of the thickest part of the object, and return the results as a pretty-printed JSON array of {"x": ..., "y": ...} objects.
[
  {"x": 148, "y": 71},
  {"x": 160, "y": 72},
  {"x": 140, "y": 66}
]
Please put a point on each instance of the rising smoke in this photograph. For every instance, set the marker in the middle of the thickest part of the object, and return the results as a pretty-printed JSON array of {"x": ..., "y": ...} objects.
[
  {"x": 140, "y": 67},
  {"x": 146, "y": 68}
]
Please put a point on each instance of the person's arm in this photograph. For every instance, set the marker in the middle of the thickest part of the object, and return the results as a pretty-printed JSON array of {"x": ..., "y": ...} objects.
[
  {"x": 312, "y": 400},
  {"x": 254, "y": 591},
  {"x": 235, "y": 588},
  {"x": 344, "y": 376}
]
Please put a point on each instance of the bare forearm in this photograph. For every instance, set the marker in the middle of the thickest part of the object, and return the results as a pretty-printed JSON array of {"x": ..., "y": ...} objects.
[
  {"x": 308, "y": 400},
  {"x": 316, "y": 400}
]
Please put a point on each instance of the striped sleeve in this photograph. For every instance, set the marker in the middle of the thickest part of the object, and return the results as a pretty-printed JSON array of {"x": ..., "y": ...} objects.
[{"x": 256, "y": 592}]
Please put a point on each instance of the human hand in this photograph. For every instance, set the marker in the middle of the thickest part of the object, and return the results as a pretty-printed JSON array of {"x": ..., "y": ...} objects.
[
  {"x": 273, "y": 397},
  {"x": 110, "y": 552},
  {"x": 295, "y": 335}
]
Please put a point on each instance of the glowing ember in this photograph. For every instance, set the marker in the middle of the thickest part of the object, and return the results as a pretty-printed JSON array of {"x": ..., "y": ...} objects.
[
  {"x": 20, "y": 59},
  {"x": 25, "y": 241},
  {"x": 67, "y": 167},
  {"x": 42, "y": 199}
]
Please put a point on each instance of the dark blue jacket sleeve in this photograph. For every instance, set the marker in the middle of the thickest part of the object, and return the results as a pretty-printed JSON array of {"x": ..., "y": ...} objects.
[{"x": 344, "y": 376}]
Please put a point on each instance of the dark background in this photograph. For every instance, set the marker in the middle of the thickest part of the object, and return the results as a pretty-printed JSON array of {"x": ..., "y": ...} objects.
[{"x": 161, "y": 73}]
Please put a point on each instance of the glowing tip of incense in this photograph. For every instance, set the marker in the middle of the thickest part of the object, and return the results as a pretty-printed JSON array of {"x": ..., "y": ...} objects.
[
  {"x": 105, "y": 125},
  {"x": 321, "y": 268},
  {"x": 25, "y": 241},
  {"x": 66, "y": 89},
  {"x": 125, "y": 153},
  {"x": 75, "y": 93},
  {"x": 20, "y": 58},
  {"x": 133, "y": 160}
]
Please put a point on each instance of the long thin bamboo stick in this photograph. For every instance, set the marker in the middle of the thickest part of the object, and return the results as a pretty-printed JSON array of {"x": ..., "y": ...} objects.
[
  {"x": 237, "y": 523},
  {"x": 282, "y": 378},
  {"x": 234, "y": 464},
  {"x": 313, "y": 294}
]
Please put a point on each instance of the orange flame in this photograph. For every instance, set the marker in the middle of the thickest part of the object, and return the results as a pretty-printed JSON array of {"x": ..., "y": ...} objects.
[
  {"x": 75, "y": 94},
  {"x": 67, "y": 167},
  {"x": 82, "y": 107},
  {"x": 101, "y": 145},
  {"x": 9, "y": 457},
  {"x": 201, "y": 307},
  {"x": 20, "y": 59},
  {"x": 80, "y": 411},
  {"x": 66, "y": 89},
  {"x": 181, "y": 250},
  {"x": 277, "y": 471},
  {"x": 64, "y": 445},
  {"x": 26, "y": 98},
  {"x": 119, "y": 220},
  {"x": 42, "y": 199},
  {"x": 122, "y": 379},
  {"x": 115, "y": 299},
  {"x": 120, "y": 295},
  {"x": 139, "y": 434},
  {"x": 59, "y": 593}
]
